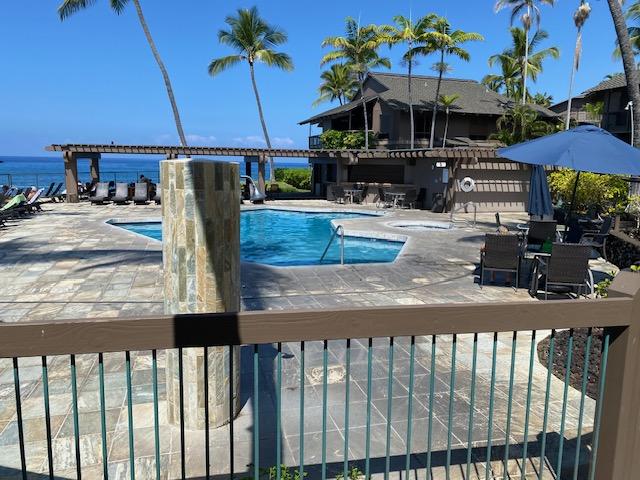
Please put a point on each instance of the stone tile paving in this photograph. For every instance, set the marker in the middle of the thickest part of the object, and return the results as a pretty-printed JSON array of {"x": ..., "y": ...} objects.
[{"x": 67, "y": 263}]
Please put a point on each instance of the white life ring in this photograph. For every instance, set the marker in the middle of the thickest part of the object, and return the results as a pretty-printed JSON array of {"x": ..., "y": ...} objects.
[{"x": 467, "y": 184}]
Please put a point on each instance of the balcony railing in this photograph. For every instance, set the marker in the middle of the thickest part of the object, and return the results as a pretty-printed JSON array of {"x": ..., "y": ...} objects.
[
  {"x": 427, "y": 390},
  {"x": 315, "y": 142}
]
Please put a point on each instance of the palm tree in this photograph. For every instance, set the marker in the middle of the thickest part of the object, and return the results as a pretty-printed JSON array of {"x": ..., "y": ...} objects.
[
  {"x": 532, "y": 13},
  {"x": 447, "y": 42},
  {"x": 631, "y": 74},
  {"x": 406, "y": 31},
  {"x": 543, "y": 99},
  {"x": 447, "y": 102},
  {"x": 520, "y": 123},
  {"x": 579, "y": 18},
  {"x": 337, "y": 84},
  {"x": 595, "y": 111},
  {"x": 523, "y": 58},
  {"x": 254, "y": 40},
  {"x": 633, "y": 13},
  {"x": 359, "y": 49},
  {"x": 507, "y": 82},
  {"x": 69, "y": 7}
]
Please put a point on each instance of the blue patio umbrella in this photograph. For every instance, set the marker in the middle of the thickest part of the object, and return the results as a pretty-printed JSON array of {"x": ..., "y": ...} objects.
[
  {"x": 539, "y": 195},
  {"x": 586, "y": 148}
]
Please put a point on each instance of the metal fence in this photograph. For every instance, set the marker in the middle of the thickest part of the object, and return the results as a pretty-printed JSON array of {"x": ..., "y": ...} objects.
[
  {"x": 378, "y": 350},
  {"x": 44, "y": 179}
]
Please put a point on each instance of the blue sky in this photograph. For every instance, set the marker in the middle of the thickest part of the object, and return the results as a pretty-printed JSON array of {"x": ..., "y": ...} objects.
[{"x": 92, "y": 78}]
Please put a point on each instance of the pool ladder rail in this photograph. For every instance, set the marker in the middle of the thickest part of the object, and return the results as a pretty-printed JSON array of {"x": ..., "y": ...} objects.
[
  {"x": 466, "y": 209},
  {"x": 339, "y": 230}
]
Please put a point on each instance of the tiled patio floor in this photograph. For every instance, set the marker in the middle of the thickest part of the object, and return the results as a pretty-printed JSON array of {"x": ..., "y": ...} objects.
[{"x": 67, "y": 263}]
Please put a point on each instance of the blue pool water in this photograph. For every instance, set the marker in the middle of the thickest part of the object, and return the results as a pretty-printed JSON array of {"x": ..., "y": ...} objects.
[{"x": 284, "y": 238}]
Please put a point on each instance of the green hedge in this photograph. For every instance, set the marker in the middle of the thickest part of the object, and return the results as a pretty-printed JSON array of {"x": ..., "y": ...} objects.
[
  {"x": 299, "y": 178},
  {"x": 606, "y": 193},
  {"x": 339, "y": 140}
]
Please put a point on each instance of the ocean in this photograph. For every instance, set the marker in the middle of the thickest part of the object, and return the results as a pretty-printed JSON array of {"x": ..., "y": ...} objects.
[{"x": 41, "y": 171}]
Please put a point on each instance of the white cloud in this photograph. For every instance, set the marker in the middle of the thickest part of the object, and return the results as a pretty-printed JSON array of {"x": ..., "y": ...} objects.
[
  {"x": 165, "y": 139},
  {"x": 201, "y": 139},
  {"x": 282, "y": 141},
  {"x": 250, "y": 140}
]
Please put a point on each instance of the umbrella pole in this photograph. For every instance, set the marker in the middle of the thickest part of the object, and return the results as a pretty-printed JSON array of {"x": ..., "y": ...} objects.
[{"x": 573, "y": 200}]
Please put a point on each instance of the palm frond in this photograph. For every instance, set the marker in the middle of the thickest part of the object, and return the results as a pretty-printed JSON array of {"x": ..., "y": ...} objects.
[
  {"x": 223, "y": 63},
  {"x": 275, "y": 59},
  {"x": 69, "y": 7},
  {"x": 118, "y": 5}
]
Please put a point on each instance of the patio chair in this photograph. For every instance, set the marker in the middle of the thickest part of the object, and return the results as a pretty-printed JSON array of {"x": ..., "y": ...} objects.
[
  {"x": 157, "y": 196},
  {"x": 541, "y": 231},
  {"x": 32, "y": 205},
  {"x": 141, "y": 193},
  {"x": 498, "y": 221},
  {"x": 56, "y": 194},
  {"x": 501, "y": 253},
  {"x": 422, "y": 198},
  {"x": 101, "y": 194},
  {"x": 598, "y": 238},
  {"x": 49, "y": 190},
  {"x": 338, "y": 193},
  {"x": 409, "y": 199},
  {"x": 568, "y": 266},
  {"x": 122, "y": 194}
]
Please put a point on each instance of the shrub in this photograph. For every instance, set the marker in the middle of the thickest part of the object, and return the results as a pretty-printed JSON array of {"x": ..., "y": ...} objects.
[
  {"x": 343, "y": 140},
  {"x": 299, "y": 178},
  {"x": 605, "y": 193}
]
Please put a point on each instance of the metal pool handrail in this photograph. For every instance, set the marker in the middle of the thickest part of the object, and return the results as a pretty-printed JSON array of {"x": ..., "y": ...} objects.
[
  {"x": 465, "y": 206},
  {"x": 339, "y": 229}
]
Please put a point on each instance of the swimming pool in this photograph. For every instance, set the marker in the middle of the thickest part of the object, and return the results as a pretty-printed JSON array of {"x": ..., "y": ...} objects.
[{"x": 289, "y": 238}]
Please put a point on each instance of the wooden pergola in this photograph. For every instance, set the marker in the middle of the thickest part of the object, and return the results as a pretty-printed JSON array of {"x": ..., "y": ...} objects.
[{"x": 72, "y": 152}]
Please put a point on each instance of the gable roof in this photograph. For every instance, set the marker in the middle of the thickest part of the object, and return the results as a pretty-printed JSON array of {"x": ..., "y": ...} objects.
[
  {"x": 392, "y": 88},
  {"x": 616, "y": 81}
]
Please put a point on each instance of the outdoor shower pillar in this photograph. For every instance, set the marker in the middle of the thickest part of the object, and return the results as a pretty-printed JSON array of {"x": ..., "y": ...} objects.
[
  {"x": 94, "y": 167},
  {"x": 71, "y": 176},
  {"x": 201, "y": 260},
  {"x": 262, "y": 163}
]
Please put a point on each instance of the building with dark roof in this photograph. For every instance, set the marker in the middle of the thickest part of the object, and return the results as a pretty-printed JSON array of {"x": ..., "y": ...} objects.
[
  {"x": 615, "y": 118},
  {"x": 501, "y": 185}
]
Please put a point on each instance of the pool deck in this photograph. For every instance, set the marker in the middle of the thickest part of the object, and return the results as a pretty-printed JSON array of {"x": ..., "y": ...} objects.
[{"x": 68, "y": 263}]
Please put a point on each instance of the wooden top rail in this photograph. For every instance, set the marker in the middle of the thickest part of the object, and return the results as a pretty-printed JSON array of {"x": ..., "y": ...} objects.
[{"x": 163, "y": 332}]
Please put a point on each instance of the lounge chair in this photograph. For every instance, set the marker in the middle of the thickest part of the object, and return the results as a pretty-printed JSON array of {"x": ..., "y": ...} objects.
[
  {"x": 122, "y": 194},
  {"x": 101, "y": 194},
  {"x": 56, "y": 193},
  {"x": 141, "y": 194},
  {"x": 598, "y": 238},
  {"x": 568, "y": 266},
  {"x": 32, "y": 205},
  {"x": 338, "y": 193},
  {"x": 48, "y": 191},
  {"x": 157, "y": 196},
  {"x": 501, "y": 253}
]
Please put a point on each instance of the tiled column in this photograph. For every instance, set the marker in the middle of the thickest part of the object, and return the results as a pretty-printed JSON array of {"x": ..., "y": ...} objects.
[{"x": 201, "y": 258}]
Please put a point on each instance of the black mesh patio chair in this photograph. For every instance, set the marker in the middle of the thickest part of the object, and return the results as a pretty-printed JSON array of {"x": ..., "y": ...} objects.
[
  {"x": 122, "y": 194},
  {"x": 338, "y": 193},
  {"x": 422, "y": 198},
  {"x": 501, "y": 253},
  {"x": 598, "y": 238},
  {"x": 568, "y": 266},
  {"x": 141, "y": 193},
  {"x": 541, "y": 231},
  {"x": 409, "y": 199},
  {"x": 101, "y": 194}
]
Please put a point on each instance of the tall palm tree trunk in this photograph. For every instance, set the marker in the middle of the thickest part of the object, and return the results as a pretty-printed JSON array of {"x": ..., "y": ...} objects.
[
  {"x": 366, "y": 115},
  {"x": 272, "y": 173},
  {"x": 435, "y": 102},
  {"x": 411, "y": 121},
  {"x": 525, "y": 66},
  {"x": 446, "y": 128},
  {"x": 574, "y": 67},
  {"x": 631, "y": 74},
  {"x": 163, "y": 70}
]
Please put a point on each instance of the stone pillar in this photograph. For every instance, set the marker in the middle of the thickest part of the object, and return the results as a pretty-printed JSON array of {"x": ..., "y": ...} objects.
[
  {"x": 201, "y": 259},
  {"x": 94, "y": 168},
  {"x": 262, "y": 162},
  {"x": 71, "y": 176}
]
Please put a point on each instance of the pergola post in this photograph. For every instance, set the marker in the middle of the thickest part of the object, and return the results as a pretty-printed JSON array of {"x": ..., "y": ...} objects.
[
  {"x": 71, "y": 176},
  {"x": 247, "y": 165},
  {"x": 94, "y": 167},
  {"x": 262, "y": 161}
]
